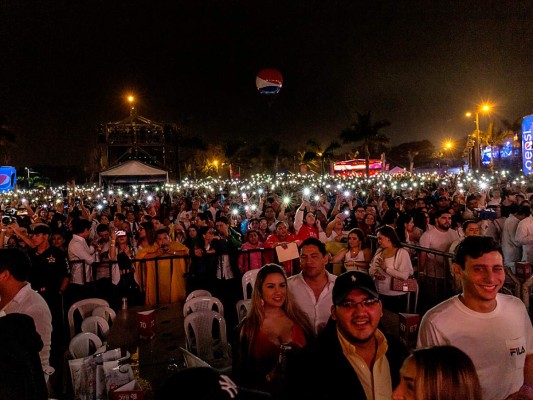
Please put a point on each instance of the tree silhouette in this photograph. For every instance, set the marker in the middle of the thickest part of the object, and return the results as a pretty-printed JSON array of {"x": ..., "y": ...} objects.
[
  {"x": 232, "y": 149},
  {"x": 366, "y": 131},
  {"x": 317, "y": 153},
  {"x": 272, "y": 149}
]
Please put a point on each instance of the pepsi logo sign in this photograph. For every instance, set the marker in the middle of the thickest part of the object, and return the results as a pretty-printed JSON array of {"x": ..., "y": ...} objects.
[{"x": 527, "y": 145}]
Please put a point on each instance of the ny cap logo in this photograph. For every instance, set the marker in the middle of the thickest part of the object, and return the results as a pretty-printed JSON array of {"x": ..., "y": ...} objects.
[{"x": 228, "y": 385}]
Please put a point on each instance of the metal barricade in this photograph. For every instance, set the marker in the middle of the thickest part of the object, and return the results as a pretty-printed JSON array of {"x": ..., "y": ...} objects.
[
  {"x": 140, "y": 267},
  {"x": 518, "y": 289}
]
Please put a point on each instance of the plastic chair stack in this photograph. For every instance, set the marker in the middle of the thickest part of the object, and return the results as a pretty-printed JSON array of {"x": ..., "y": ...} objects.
[
  {"x": 84, "y": 308},
  {"x": 205, "y": 334},
  {"x": 198, "y": 293},
  {"x": 203, "y": 303},
  {"x": 84, "y": 344},
  {"x": 248, "y": 282},
  {"x": 96, "y": 325}
]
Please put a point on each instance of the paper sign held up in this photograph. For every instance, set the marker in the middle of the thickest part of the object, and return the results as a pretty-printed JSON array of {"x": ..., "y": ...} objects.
[{"x": 287, "y": 251}]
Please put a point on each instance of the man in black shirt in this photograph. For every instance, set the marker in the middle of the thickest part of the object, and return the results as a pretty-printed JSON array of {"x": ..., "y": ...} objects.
[{"x": 49, "y": 276}]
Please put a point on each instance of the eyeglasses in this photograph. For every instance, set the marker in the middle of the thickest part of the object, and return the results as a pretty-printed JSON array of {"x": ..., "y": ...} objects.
[{"x": 366, "y": 303}]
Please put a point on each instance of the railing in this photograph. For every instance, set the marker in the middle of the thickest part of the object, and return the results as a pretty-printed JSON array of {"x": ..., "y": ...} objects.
[
  {"x": 248, "y": 261},
  {"x": 140, "y": 269},
  {"x": 513, "y": 285}
]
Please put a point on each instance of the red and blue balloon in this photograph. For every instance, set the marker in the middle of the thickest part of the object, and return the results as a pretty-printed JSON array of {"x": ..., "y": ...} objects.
[{"x": 269, "y": 81}]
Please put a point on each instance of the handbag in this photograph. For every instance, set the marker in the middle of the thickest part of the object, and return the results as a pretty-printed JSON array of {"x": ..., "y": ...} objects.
[{"x": 407, "y": 285}]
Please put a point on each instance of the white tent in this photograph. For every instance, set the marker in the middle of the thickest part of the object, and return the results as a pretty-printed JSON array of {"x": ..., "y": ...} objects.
[
  {"x": 397, "y": 170},
  {"x": 133, "y": 172}
]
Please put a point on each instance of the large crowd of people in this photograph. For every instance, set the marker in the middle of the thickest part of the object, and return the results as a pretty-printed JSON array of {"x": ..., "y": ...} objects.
[{"x": 88, "y": 242}]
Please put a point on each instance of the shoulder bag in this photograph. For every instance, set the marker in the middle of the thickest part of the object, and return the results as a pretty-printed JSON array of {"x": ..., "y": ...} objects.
[{"x": 401, "y": 285}]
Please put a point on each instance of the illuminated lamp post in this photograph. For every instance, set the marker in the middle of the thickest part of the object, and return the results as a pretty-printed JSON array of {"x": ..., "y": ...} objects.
[
  {"x": 477, "y": 148},
  {"x": 131, "y": 100},
  {"x": 448, "y": 147}
]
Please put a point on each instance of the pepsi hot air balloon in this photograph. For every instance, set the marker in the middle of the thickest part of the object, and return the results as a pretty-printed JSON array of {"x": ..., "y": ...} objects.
[
  {"x": 8, "y": 178},
  {"x": 269, "y": 81}
]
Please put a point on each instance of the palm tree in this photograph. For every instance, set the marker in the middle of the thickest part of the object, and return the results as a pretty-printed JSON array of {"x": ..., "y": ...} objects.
[
  {"x": 272, "y": 148},
  {"x": 366, "y": 131},
  {"x": 232, "y": 149},
  {"x": 323, "y": 155},
  {"x": 195, "y": 146}
]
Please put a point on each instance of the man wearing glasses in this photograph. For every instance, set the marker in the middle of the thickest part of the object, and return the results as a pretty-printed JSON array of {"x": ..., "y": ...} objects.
[{"x": 351, "y": 351}]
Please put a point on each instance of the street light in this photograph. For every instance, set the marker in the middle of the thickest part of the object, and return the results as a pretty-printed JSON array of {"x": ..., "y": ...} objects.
[
  {"x": 485, "y": 108},
  {"x": 448, "y": 147},
  {"x": 131, "y": 100},
  {"x": 29, "y": 172}
]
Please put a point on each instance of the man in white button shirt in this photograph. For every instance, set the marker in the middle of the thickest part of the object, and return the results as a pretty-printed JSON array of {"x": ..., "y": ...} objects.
[
  {"x": 311, "y": 288},
  {"x": 79, "y": 250},
  {"x": 17, "y": 296}
]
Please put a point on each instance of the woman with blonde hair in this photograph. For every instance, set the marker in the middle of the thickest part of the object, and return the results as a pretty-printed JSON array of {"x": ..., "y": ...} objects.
[
  {"x": 438, "y": 373},
  {"x": 272, "y": 323}
]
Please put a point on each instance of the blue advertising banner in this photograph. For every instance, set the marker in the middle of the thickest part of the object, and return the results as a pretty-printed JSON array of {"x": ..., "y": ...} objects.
[{"x": 527, "y": 145}]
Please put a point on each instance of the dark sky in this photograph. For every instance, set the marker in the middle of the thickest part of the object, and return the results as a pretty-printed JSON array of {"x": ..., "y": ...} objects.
[{"x": 66, "y": 66}]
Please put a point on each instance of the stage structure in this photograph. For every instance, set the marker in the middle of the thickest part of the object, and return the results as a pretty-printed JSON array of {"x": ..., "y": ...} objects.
[{"x": 140, "y": 139}]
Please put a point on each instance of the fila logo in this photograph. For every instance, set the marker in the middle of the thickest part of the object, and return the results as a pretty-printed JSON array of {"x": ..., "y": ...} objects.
[{"x": 517, "y": 350}]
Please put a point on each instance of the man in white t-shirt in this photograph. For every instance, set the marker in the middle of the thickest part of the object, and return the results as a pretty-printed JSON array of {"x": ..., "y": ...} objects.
[
  {"x": 435, "y": 267},
  {"x": 470, "y": 228},
  {"x": 492, "y": 328},
  {"x": 524, "y": 236},
  {"x": 512, "y": 250}
]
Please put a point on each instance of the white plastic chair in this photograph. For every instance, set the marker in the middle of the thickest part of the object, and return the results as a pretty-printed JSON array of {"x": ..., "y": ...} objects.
[
  {"x": 248, "y": 280},
  {"x": 242, "y": 308},
  {"x": 84, "y": 344},
  {"x": 198, "y": 293},
  {"x": 96, "y": 325},
  {"x": 205, "y": 336},
  {"x": 85, "y": 308},
  {"x": 105, "y": 312},
  {"x": 202, "y": 304}
]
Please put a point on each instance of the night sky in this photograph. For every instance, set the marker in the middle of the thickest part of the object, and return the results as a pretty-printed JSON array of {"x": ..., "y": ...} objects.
[{"x": 66, "y": 67}]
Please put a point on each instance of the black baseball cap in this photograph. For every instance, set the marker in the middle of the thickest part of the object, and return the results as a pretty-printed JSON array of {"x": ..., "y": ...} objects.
[
  {"x": 351, "y": 280},
  {"x": 39, "y": 228},
  {"x": 205, "y": 383}
]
